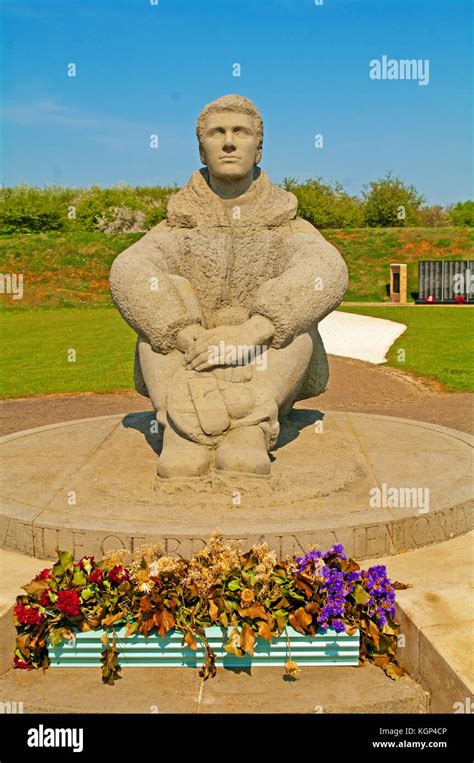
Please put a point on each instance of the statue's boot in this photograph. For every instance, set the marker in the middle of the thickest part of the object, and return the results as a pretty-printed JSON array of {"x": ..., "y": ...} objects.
[
  {"x": 244, "y": 451},
  {"x": 182, "y": 458}
]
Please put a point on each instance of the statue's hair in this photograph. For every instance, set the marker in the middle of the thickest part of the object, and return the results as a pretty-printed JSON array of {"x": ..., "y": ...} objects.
[{"x": 235, "y": 103}]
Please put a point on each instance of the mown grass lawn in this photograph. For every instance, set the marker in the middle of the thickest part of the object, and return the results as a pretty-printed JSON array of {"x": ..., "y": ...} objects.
[
  {"x": 438, "y": 342},
  {"x": 35, "y": 348}
]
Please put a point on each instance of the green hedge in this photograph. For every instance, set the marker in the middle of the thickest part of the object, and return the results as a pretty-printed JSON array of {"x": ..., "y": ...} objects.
[{"x": 387, "y": 202}]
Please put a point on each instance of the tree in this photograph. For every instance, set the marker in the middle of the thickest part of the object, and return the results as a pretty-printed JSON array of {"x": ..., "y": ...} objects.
[
  {"x": 391, "y": 203},
  {"x": 325, "y": 205},
  {"x": 462, "y": 213}
]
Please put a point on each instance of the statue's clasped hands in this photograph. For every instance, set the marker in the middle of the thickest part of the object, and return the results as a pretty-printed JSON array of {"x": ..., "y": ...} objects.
[{"x": 199, "y": 344}]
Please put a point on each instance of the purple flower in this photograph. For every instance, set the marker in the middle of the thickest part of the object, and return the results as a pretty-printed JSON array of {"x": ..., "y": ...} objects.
[
  {"x": 308, "y": 560},
  {"x": 337, "y": 550},
  {"x": 334, "y": 586},
  {"x": 382, "y": 594}
]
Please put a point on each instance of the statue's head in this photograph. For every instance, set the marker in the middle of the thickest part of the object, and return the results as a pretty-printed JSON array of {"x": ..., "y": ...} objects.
[{"x": 230, "y": 135}]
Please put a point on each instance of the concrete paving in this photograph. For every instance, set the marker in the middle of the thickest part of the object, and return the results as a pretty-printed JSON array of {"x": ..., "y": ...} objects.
[
  {"x": 89, "y": 486},
  {"x": 363, "y": 689},
  {"x": 436, "y": 615},
  {"x": 359, "y": 336}
]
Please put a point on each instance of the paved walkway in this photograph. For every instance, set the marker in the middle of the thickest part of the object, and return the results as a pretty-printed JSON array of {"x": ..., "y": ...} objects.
[{"x": 354, "y": 385}]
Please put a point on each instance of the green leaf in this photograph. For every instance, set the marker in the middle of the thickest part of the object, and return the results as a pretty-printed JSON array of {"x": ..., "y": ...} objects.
[
  {"x": 360, "y": 594},
  {"x": 66, "y": 559},
  {"x": 298, "y": 596},
  {"x": 87, "y": 594},
  {"x": 55, "y": 636},
  {"x": 58, "y": 571},
  {"x": 252, "y": 578},
  {"x": 79, "y": 578},
  {"x": 234, "y": 585}
]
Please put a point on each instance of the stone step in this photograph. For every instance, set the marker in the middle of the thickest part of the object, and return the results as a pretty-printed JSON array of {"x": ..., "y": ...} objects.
[
  {"x": 436, "y": 616},
  {"x": 364, "y": 689}
]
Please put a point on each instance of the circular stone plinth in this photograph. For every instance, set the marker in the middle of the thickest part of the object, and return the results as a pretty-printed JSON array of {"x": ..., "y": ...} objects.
[{"x": 376, "y": 484}]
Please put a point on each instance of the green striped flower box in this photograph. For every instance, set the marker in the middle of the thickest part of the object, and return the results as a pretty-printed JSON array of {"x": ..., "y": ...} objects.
[{"x": 325, "y": 648}]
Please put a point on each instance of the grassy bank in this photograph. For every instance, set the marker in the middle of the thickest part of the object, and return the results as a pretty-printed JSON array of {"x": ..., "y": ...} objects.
[{"x": 71, "y": 269}]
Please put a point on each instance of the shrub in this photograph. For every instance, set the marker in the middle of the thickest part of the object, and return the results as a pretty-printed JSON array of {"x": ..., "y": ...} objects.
[
  {"x": 433, "y": 217},
  {"x": 391, "y": 203},
  {"x": 25, "y": 209},
  {"x": 324, "y": 205},
  {"x": 95, "y": 204},
  {"x": 123, "y": 208},
  {"x": 121, "y": 220},
  {"x": 462, "y": 213}
]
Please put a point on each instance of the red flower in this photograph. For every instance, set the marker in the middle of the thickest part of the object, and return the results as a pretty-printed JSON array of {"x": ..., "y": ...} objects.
[
  {"x": 28, "y": 615},
  {"x": 460, "y": 299},
  {"x": 44, "y": 574},
  {"x": 118, "y": 574},
  {"x": 68, "y": 602},
  {"x": 21, "y": 664},
  {"x": 96, "y": 576},
  {"x": 45, "y": 601}
]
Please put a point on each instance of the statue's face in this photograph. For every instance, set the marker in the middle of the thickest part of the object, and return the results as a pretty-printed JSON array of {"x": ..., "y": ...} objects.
[{"x": 229, "y": 144}]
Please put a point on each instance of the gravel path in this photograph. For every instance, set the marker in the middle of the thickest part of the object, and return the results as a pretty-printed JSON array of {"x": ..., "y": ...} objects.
[{"x": 354, "y": 386}]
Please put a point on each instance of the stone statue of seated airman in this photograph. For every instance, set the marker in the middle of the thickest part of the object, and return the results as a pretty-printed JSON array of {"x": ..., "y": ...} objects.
[{"x": 226, "y": 295}]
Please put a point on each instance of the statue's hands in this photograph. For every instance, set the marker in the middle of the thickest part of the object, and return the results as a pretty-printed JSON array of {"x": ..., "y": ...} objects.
[
  {"x": 187, "y": 336},
  {"x": 201, "y": 353}
]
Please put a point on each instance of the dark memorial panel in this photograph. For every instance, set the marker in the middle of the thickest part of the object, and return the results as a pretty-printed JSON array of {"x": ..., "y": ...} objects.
[{"x": 445, "y": 280}]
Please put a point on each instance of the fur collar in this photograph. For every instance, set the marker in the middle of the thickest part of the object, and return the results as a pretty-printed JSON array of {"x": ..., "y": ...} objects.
[{"x": 264, "y": 205}]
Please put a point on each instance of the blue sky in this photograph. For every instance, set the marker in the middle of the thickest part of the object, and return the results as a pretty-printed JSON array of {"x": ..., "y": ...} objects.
[{"x": 144, "y": 69}]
